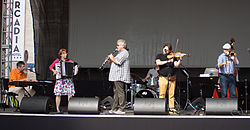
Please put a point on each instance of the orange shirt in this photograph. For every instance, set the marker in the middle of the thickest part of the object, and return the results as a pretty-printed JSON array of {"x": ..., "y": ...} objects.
[{"x": 16, "y": 75}]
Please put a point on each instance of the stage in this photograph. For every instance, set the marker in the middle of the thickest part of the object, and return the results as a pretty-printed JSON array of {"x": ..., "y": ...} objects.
[{"x": 17, "y": 120}]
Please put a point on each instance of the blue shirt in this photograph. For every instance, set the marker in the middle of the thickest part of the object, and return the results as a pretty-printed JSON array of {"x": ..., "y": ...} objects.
[{"x": 229, "y": 68}]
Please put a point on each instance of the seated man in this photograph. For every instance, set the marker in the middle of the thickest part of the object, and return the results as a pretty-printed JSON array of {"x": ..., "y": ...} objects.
[
  {"x": 18, "y": 74},
  {"x": 152, "y": 73}
]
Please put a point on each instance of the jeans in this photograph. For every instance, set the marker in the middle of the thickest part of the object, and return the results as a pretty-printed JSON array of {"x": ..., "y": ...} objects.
[{"x": 227, "y": 82}]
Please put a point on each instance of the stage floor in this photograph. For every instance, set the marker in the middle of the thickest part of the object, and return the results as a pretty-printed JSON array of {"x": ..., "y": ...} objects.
[
  {"x": 130, "y": 112},
  {"x": 184, "y": 120}
]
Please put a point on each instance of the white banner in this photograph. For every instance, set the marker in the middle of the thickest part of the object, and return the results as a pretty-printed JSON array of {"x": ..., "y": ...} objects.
[{"x": 18, "y": 30}]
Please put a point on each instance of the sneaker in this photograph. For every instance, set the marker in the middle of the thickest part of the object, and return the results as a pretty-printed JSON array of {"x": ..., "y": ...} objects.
[
  {"x": 111, "y": 111},
  {"x": 119, "y": 112}
]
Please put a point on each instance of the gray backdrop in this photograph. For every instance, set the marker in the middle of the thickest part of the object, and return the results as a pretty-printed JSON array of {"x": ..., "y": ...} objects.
[{"x": 202, "y": 27}]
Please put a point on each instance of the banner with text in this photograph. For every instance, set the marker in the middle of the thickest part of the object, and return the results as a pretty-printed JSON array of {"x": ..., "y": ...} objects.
[{"x": 18, "y": 30}]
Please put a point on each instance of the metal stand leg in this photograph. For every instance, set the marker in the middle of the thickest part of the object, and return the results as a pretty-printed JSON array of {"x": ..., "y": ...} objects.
[
  {"x": 2, "y": 95},
  {"x": 26, "y": 91},
  {"x": 246, "y": 93},
  {"x": 177, "y": 105},
  {"x": 126, "y": 96},
  {"x": 132, "y": 96},
  {"x": 188, "y": 103},
  {"x": 131, "y": 103}
]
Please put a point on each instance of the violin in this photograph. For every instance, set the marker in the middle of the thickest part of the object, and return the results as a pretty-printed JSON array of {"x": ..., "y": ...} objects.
[{"x": 176, "y": 55}]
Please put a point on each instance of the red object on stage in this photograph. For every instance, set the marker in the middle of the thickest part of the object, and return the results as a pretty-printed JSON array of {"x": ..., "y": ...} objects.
[{"x": 215, "y": 94}]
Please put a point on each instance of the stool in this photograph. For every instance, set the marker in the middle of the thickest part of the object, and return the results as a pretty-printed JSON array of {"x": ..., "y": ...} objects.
[{"x": 11, "y": 100}]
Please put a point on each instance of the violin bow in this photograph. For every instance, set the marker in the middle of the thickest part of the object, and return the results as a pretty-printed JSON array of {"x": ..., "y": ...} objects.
[{"x": 176, "y": 44}]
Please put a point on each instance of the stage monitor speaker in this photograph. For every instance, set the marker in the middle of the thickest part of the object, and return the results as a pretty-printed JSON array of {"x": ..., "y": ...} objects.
[
  {"x": 150, "y": 106},
  {"x": 36, "y": 105},
  {"x": 221, "y": 105},
  {"x": 83, "y": 105}
]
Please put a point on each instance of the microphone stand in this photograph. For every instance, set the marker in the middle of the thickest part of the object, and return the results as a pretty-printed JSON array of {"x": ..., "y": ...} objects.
[
  {"x": 246, "y": 93},
  {"x": 188, "y": 102},
  {"x": 168, "y": 91},
  {"x": 2, "y": 94}
]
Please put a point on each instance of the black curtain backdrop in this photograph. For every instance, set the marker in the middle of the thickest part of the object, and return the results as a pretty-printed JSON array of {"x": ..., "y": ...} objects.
[
  {"x": 51, "y": 32},
  {"x": 50, "y": 18},
  {"x": 202, "y": 27}
]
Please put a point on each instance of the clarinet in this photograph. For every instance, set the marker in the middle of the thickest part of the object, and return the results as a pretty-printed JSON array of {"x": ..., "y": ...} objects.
[{"x": 106, "y": 60}]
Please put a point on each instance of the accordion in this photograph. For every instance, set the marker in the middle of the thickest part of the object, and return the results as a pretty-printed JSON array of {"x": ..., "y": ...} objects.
[{"x": 65, "y": 69}]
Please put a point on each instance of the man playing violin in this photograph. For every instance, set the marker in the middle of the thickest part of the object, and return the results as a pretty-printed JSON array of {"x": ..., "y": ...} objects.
[
  {"x": 167, "y": 76},
  {"x": 226, "y": 65}
]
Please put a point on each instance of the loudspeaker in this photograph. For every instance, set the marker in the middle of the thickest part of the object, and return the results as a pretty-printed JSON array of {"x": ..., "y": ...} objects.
[
  {"x": 221, "y": 105},
  {"x": 150, "y": 106},
  {"x": 83, "y": 105},
  {"x": 36, "y": 105}
]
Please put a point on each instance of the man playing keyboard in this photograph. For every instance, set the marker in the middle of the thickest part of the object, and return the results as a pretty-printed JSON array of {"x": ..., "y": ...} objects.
[{"x": 18, "y": 74}]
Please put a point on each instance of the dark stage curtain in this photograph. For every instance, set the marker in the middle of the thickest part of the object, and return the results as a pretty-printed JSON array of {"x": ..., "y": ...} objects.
[{"x": 50, "y": 18}]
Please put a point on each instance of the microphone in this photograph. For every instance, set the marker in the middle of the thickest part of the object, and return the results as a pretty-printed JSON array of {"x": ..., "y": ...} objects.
[
  {"x": 165, "y": 50},
  {"x": 33, "y": 71},
  {"x": 105, "y": 61}
]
